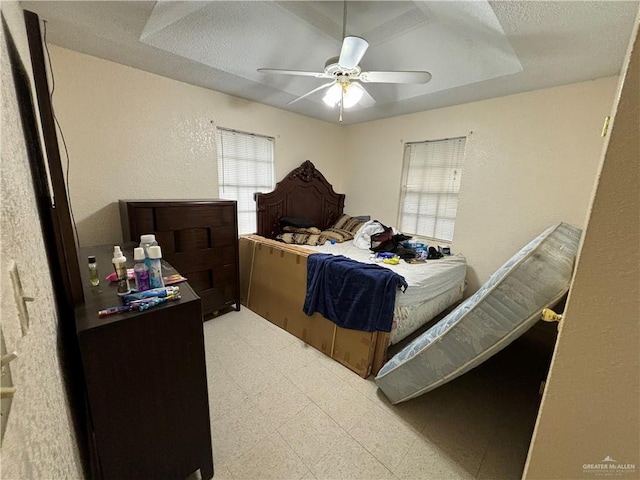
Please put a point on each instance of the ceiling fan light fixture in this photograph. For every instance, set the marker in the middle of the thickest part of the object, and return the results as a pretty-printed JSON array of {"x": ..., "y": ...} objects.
[
  {"x": 353, "y": 94},
  {"x": 332, "y": 96}
]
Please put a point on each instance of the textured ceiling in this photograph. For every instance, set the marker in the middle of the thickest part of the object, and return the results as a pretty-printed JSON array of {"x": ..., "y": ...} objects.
[{"x": 474, "y": 50}]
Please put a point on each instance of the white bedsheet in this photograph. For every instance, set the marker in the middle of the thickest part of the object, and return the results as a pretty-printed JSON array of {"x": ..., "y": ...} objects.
[{"x": 426, "y": 280}]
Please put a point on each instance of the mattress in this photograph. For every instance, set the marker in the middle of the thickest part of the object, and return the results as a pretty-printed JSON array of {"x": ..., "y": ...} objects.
[
  {"x": 426, "y": 280},
  {"x": 505, "y": 307},
  {"x": 433, "y": 286},
  {"x": 409, "y": 318}
]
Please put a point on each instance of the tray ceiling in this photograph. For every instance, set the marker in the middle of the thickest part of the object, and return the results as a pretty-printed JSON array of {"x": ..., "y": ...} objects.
[{"x": 474, "y": 50}]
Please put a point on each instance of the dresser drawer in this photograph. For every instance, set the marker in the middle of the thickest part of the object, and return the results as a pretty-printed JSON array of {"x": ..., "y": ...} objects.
[
  {"x": 194, "y": 216},
  {"x": 186, "y": 262},
  {"x": 199, "y": 238}
]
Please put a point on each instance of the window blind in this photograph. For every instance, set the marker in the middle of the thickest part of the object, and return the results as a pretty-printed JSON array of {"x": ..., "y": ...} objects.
[
  {"x": 245, "y": 166},
  {"x": 431, "y": 175}
]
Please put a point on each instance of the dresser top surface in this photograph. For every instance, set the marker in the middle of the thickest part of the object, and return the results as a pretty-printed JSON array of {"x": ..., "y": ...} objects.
[
  {"x": 104, "y": 295},
  {"x": 178, "y": 202}
]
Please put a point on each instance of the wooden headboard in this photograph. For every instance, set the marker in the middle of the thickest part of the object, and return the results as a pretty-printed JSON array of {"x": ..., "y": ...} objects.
[{"x": 303, "y": 193}]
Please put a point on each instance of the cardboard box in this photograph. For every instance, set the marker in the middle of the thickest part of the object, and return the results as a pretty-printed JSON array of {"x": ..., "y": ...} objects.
[
  {"x": 245, "y": 253},
  {"x": 273, "y": 284}
]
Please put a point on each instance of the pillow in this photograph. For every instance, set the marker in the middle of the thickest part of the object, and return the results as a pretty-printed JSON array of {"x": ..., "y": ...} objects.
[
  {"x": 302, "y": 239},
  {"x": 342, "y": 219},
  {"x": 348, "y": 223},
  {"x": 337, "y": 234},
  {"x": 296, "y": 222},
  {"x": 311, "y": 230}
]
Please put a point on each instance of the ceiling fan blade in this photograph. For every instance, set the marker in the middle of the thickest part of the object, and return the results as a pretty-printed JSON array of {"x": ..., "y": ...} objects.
[
  {"x": 326, "y": 85},
  {"x": 295, "y": 72},
  {"x": 394, "y": 77},
  {"x": 353, "y": 49}
]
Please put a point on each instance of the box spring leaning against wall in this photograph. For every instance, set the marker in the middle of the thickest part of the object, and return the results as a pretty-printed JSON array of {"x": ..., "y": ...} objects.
[{"x": 505, "y": 307}]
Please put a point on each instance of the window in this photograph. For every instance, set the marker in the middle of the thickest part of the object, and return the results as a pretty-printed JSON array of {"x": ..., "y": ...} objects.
[
  {"x": 245, "y": 166},
  {"x": 431, "y": 174}
]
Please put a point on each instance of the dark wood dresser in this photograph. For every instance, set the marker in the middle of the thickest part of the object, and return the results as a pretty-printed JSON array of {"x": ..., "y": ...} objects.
[
  {"x": 198, "y": 237},
  {"x": 146, "y": 381}
]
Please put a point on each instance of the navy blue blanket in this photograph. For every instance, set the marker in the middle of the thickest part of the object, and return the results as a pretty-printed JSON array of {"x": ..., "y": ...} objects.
[{"x": 352, "y": 294}]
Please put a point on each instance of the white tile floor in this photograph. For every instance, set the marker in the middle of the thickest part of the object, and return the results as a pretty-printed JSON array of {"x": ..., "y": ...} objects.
[{"x": 282, "y": 410}]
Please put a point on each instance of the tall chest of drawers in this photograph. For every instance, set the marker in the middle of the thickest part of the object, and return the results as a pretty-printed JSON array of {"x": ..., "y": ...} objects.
[{"x": 199, "y": 238}]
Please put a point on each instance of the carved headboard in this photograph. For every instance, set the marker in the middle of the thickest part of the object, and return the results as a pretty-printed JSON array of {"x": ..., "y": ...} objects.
[{"x": 303, "y": 193}]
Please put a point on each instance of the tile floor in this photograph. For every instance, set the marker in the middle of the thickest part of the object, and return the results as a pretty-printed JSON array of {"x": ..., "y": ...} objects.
[{"x": 282, "y": 410}]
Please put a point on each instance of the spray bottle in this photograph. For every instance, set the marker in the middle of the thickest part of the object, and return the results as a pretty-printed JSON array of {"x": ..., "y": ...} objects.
[{"x": 120, "y": 265}]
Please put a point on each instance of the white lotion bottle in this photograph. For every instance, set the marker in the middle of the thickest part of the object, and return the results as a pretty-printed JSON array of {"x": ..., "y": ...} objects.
[{"x": 155, "y": 269}]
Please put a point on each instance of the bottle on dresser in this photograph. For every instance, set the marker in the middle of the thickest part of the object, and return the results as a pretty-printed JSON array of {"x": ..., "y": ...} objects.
[
  {"x": 120, "y": 266},
  {"x": 140, "y": 270},
  {"x": 146, "y": 241},
  {"x": 94, "y": 278},
  {"x": 155, "y": 270}
]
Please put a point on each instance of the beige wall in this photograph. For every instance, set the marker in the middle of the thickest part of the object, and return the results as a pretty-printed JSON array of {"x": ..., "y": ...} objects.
[
  {"x": 591, "y": 406},
  {"x": 133, "y": 134},
  {"x": 39, "y": 440},
  {"x": 530, "y": 162}
]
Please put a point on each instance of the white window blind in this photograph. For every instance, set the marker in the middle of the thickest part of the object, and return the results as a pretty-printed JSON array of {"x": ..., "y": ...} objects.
[
  {"x": 245, "y": 166},
  {"x": 431, "y": 175}
]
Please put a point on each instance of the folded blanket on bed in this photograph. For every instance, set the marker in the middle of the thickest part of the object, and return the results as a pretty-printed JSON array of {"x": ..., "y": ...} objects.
[{"x": 352, "y": 294}]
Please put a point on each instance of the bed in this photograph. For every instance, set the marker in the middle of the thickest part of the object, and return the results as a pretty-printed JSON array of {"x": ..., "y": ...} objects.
[
  {"x": 505, "y": 307},
  {"x": 274, "y": 275},
  {"x": 433, "y": 286}
]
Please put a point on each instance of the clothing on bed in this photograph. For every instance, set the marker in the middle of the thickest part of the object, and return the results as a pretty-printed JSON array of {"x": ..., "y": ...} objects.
[
  {"x": 352, "y": 294},
  {"x": 296, "y": 222},
  {"x": 362, "y": 238}
]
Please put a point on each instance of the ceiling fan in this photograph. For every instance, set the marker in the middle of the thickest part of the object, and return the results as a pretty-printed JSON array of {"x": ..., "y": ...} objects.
[{"x": 345, "y": 88}]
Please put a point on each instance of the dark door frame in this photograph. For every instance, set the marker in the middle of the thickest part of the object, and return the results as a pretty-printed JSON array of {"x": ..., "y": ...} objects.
[{"x": 55, "y": 219}]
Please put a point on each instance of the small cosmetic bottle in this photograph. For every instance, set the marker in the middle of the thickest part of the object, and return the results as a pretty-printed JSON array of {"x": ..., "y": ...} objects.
[{"x": 94, "y": 278}]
